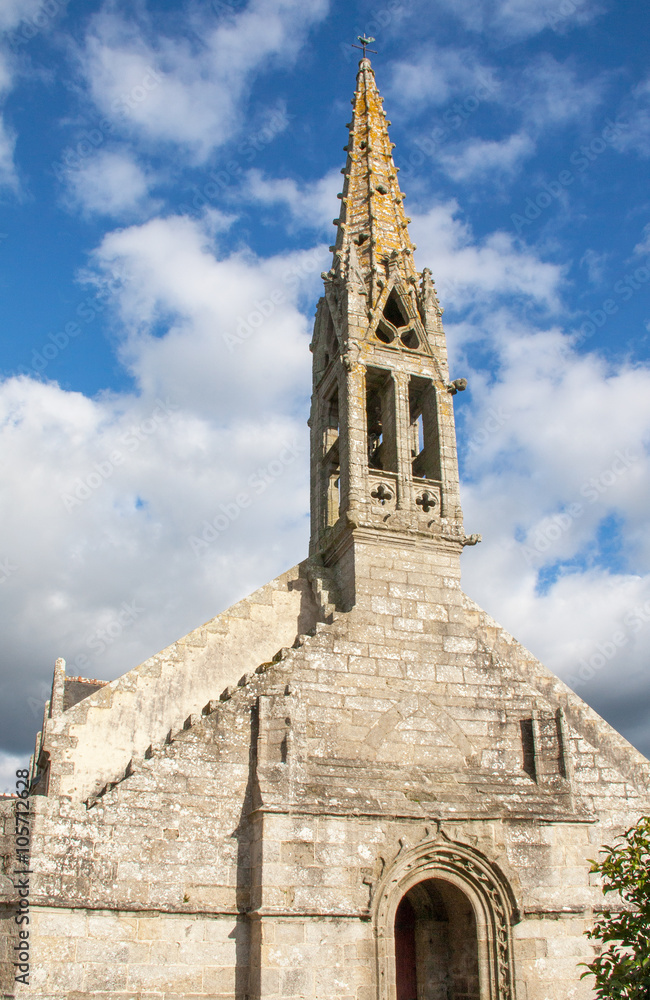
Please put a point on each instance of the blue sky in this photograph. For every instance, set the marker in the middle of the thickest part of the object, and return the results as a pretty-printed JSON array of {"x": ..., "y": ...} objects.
[{"x": 168, "y": 174}]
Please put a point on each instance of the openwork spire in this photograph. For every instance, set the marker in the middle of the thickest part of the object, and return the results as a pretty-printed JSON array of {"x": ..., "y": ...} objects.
[{"x": 373, "y": 228}]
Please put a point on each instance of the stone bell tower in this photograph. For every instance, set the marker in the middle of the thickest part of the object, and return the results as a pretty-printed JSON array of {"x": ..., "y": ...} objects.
[{"x": 384, "y": 470}]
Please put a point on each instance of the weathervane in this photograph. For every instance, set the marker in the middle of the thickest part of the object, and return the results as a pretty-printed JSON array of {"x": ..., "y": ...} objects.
[{"x": 365, "y": 41}]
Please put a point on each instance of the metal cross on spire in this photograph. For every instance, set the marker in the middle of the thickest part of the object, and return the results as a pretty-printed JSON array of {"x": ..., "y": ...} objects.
[{"x": 365, "y": 42}]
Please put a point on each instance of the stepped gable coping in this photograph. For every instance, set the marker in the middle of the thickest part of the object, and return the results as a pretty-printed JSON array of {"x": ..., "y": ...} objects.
[
  {"x": 195, "y": 720},
  {"x": 579, "y": 712},
  {"x": 290, "y": 590},
  {"x": 171, "y": 651}
]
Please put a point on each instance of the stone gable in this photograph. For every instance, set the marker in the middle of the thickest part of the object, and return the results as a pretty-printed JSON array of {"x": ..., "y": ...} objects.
[{"x": 287, "y": 804}]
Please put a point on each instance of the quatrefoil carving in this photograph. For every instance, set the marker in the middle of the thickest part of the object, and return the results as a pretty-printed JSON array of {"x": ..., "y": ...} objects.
[
  {"x": 427, "y": 501},
  {"x": 382, "y": 494}
]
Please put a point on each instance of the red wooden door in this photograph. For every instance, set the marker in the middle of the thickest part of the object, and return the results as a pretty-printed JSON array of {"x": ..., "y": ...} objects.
[{"x": 405, "y": 963}]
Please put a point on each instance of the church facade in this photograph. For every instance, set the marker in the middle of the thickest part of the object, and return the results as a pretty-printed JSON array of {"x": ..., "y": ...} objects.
[{"x": 354, "y": 784}]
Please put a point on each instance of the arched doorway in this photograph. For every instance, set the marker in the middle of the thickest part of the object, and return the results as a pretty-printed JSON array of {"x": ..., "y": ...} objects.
[{"x": 436, "y": 944}]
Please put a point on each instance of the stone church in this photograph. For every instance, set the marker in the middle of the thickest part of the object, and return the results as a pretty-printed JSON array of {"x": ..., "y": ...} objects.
[{"x": 354, "y": 784}]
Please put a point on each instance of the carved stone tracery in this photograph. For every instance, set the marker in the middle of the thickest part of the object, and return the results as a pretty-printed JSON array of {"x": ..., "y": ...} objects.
[{"x": 492, "y": 900}]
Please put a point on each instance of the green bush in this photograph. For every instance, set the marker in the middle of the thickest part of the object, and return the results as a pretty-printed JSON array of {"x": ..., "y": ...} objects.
[{"x": 622, "y": 969}]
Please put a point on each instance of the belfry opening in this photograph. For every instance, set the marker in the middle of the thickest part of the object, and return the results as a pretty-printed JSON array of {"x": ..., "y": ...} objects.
[{"x": 436, "y": 944}]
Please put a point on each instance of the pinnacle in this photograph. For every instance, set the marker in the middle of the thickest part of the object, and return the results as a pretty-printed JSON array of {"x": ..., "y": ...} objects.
[{"x": 372, "y": 217}]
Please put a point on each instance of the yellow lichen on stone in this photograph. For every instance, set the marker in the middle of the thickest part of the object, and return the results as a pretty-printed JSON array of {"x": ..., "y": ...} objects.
[{"x": 372, "y": 216}]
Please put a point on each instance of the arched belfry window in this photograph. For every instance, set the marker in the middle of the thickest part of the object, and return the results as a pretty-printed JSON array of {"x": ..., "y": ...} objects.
[
  {"x": 443, "y": 916},
  {"x": 332, "y": 461},
  {"x": 425, "y": 433},
  {"x": 381, "y": 420},
  {"x": 329, "y": 338}
]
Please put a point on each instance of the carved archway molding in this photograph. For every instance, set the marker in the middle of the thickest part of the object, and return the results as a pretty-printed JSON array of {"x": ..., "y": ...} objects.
[{"x": 490, "y": 894}]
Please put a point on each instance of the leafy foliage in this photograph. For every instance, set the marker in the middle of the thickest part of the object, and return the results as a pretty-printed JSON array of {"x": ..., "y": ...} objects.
[{"x": 622, "y": 970}]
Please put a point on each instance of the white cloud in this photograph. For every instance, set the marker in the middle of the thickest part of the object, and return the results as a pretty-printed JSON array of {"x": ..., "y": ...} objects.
[
  {"x": 109, "y": 183},
  {"x": 550, "y": 93},
  {"x": 6, "y": 75},
  {"x": 439, "y": 74},
  {"x": 309, "y": 206},
  {"x": 515, "y": 19},
  {"x": 13, "y": 12},
  {"x": 545, "y": 387},
  {"x": 20, "y": 21},
  {"x": 8, "y": 176},
  {"x": 106, "y": 494},
  {"x": 644, "y": 245},
  {"x": 546, "y": 93},
  {"x": 595, "y": 264},
  {"x": 206, "y": 304},
  {"x": 191, "y": 91},
  {"x": 482, "y": 157},
  {"x": 468, "y": 271},
  {"x": 635, "y": 112},
  {"x": 9, "y": 764}
]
